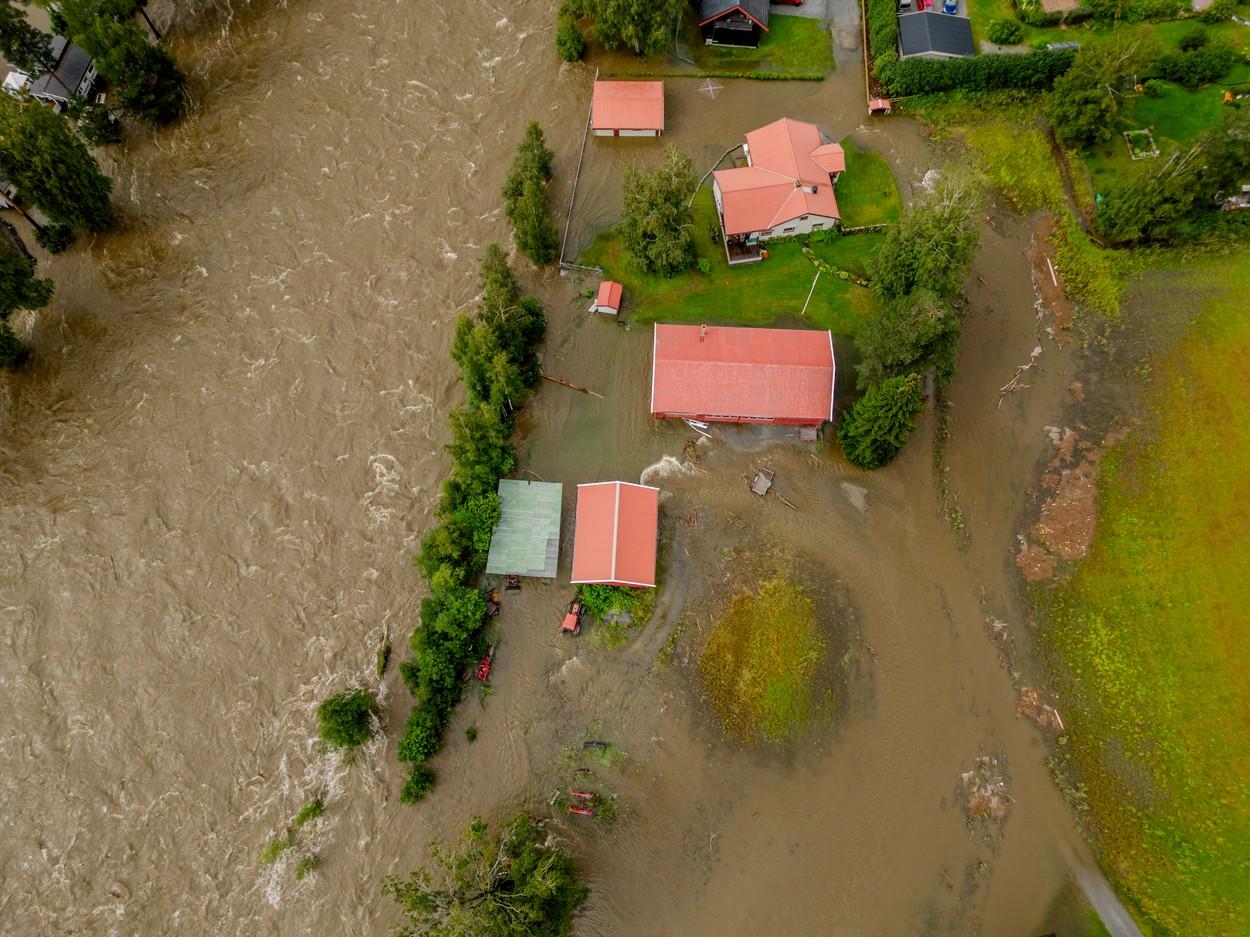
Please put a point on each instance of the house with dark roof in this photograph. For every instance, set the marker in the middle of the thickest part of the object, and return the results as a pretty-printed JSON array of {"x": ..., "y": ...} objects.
[
  {"x": 73, "y": 76},
  {"x": 927, "y": 34},
  {"x": 733, "y": 22},
  {"x": 787, "y": 187}
]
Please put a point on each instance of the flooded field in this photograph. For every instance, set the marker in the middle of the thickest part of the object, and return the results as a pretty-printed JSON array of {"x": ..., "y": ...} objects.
[{"x": 216, "y": 469}]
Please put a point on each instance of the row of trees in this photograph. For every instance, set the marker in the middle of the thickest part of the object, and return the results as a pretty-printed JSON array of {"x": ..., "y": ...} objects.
[
  {"x": 920, "y": 267},
  {"x": 496, "y": 351}
]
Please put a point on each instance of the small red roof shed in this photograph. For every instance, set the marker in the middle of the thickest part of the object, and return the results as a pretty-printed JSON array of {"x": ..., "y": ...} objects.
[
  {"x": 609, "y": 298},
  {"x": 614, "y": 539},
  {"x": 742, "y": 375},
  {"x": 627, "y": 107}
]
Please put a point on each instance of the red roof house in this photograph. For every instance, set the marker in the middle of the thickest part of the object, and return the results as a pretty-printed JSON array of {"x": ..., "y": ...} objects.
[
  {"x": 627, "y": 109},
  {"x": 785, "y": 188},
  {"x": 742, "y": 375},
  {"x": 614, "y": 539},
  {"x": 608, "y": 299}
]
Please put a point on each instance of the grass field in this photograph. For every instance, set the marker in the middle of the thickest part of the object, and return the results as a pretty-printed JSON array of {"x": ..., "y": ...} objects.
[
  {"x": 752, "y": 294},
  {"x": 1150, "y": 639},
  {"x": 759, "y": 664},
  {"x": 793, "y": 44},
  {"x": 867, "y": 194}
]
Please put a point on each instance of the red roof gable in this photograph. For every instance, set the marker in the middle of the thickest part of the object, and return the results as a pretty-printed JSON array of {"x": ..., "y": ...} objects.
[
  {"x": 609, "y": 295},
  {"x": 614, "y": 539},
  {"x": 788, "y": 177},
  {"x": 743, "y": 374},
  {"x": 627, "y": 105}
]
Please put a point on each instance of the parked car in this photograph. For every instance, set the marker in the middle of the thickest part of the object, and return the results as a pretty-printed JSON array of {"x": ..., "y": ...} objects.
[{"x": 950, "y": 6}]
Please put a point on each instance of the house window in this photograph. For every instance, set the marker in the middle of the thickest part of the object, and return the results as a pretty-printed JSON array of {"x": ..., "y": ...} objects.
[
  {"x": 818, "y": 225},
  {"x": 787, "y": 230},
  {"x": 802, "y": 217}
]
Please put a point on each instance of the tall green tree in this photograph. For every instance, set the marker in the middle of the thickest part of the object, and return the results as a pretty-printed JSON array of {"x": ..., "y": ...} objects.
[
  {"x": 913, "y": 334},
  {"x": 932, "y": 246},
  {"x": 525, "y": 197},
  {"x": 873, "y": 431},
  {"x": 646, "y": 26},
  {"x": 40, "y": 154},
  {"x": 23, "y": 46},
  {"x": 514, "y": 884},
  {"x": 147, "y": 81},
  {"x": 656, "y": 218},
  {"x": 1085, "y": 101},
  {"x": 19, "y": 289}
]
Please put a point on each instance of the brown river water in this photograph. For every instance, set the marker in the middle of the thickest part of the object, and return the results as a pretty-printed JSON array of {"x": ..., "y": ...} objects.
[{"x": 216, "y": 469}]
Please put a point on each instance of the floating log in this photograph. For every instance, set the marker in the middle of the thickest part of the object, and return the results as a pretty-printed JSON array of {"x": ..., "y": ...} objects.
[{"x": 569, "y": 384}]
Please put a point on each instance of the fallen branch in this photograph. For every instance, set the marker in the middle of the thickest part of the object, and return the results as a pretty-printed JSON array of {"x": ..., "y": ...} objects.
[
  {"x": 569, "y": 384},
  {"x": 1015, "y": 383},
  {"x": 786, "y": 503}
]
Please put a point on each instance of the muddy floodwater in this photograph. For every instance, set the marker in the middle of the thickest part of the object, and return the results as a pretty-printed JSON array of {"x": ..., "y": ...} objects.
[{"x": 216, "y": 469}]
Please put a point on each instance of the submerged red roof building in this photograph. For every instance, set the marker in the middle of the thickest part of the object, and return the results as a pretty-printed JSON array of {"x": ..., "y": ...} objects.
[
  {"x": 742, "y": 375},
  {"x": 615, "y": 534},
  {"x": 627, "y": 108}
]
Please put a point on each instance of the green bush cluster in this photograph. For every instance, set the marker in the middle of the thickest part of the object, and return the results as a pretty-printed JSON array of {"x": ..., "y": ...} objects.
[
  {"x": 570, "y": 43},
  {"x": 1005, "y": 32},
  {"x": 1218, "y": 11},
  {"x": 1036, "y": 71},
  {"x": 883, "y": 37},
  {"x": 1198, "y": 64},
  {"x": 345, "y": 719},
  {"x": 1135, "y": 11},
  {"x": 496, "y": 351}
]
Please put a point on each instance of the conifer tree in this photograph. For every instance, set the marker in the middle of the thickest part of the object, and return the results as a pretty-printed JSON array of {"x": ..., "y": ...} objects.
[{"x": 877, "y": 427}]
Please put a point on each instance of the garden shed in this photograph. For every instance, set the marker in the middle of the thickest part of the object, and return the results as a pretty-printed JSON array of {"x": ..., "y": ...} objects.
[
  {"x": 615, "y": 535},
  {"x": 742, "y": 375},
  {"x": 608, "y": 299},
  {"x": 526, "y": 541},
  {"x": 627, "y": 109}
]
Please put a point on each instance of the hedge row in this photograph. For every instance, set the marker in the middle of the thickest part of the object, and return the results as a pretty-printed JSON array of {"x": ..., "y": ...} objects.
[
  {"x": 495, "y": 349},
  {"x": 1036, "y": 71}
]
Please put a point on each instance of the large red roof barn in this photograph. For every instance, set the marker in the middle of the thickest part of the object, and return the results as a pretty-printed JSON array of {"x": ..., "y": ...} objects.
[
  {"x": 614, "y": 540},
  {"x": 742, "y": 375}
]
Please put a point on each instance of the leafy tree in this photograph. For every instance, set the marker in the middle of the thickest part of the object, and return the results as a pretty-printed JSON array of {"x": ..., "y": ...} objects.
[
  {"x": 1218, "y": 11},
  {"x": 479, "y": 447},
  {"x": 147, "y": 81},
  {"x": 873, "y": 431},
  {"x": 1199, "y": 66},
  {"x": 344, "y": 718},
  {"x": 932, "y": 246},
  {"x": 23, "y": 46},
  {"x": 525, "y": 197},
  {"x": 54, "y": 238},
  {"x": 98, "y": 125},
  {"x": 1086, "y": 99},
  {"x": 518, "y": 884},
  {"x": 19, "y": 287},
  {"x": 42, "y": 157},
  {"x": 914, "y": 334},
  {"x": 419, "y": 782},
  {"x": 646, "y": 26},
  {"x": 12, "y": 351},
  {"x": 569, "y": 40},
  {"x": 656, "y": 218}
]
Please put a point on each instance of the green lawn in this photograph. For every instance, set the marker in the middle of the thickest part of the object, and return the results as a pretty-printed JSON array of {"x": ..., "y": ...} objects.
[
  {"x": 752, "y": 294},
  {"x": 867, "y": 194},
  {"x": 1150, "y": 639},
  {"x": 793, "y": 44}
]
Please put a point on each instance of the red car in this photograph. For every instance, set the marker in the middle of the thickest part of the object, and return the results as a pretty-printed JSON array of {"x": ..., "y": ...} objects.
[{"x": 572, "y": 623}]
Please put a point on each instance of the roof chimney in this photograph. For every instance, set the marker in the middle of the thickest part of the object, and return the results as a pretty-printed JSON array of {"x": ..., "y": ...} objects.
[{"x": 702, "y": 332}]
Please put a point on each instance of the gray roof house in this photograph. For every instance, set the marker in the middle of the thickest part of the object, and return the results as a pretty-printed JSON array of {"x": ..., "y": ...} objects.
[
  {"x": 733, "y": 22},
  {"x": 934, "y": 35},
  {"x": 73, "y": 76}
]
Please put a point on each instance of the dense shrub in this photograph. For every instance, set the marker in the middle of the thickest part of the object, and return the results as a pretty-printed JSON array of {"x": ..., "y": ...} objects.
[
  {"x": 1194, "y": 38},
  {"x": 569, "y": 41},
  {"x": 1218, "y": 11},
  {"x": 1154, "y": 88},
  {"x": 1036, "y": 71},
  {"x": 883, "y": 27},
  {"x": 417, "y": 785},
  {"x": 1200, "y": 66},
  {"x": 54, "y": 238},
  {"x": 1005, "y": 32},
  {"x": 344, "y": 718}
]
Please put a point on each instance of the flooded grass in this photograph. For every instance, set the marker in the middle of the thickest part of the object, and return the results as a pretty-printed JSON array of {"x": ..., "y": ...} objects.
[
  {"x": 753, "y": 294},
  {"x": 867, "y": 193},
  {"x": 1151, "y": 637},
  {"x": 759, "y": 665},
  {"x": 793, "y": 44}
]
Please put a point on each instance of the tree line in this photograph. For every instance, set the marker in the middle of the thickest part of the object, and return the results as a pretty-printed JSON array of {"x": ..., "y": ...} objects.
[
  {"x": 45, "y": 155},
  {"x": 495, "y": 348}
]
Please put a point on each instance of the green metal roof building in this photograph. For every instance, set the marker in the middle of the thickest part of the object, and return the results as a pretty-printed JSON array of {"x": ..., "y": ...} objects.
[{"x": 526, "y": 540}]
